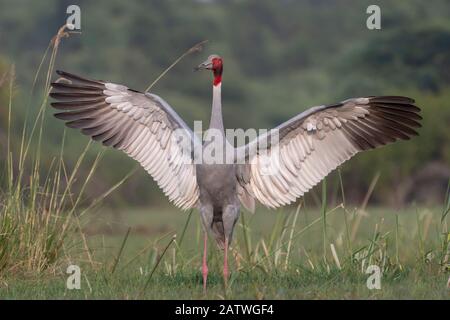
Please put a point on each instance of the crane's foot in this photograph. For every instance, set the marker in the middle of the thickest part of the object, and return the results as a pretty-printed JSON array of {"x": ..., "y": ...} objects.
[{"x": 205, "y": 276}]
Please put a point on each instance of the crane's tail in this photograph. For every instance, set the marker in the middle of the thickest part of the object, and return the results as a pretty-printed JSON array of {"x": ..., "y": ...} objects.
[
  {"x": 221, "y": 230},
  {"x": 217, "y": 227}
]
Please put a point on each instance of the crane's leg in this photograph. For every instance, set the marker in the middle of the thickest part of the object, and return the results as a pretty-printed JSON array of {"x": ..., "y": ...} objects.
[
  {"x": 206, "y": 213},
  {"x": 229, "y": 217},
  {"x": 225, "y": 264},
  {"x": 204, "y": 264}
]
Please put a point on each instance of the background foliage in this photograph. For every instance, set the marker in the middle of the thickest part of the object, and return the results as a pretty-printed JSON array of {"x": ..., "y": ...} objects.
[{"x": 280, "y": 58}]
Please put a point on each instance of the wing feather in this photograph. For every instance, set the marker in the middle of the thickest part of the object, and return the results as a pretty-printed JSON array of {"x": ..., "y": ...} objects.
[
  {"x": 141, "y": 125},
  {"x": 315, "y": 142}
]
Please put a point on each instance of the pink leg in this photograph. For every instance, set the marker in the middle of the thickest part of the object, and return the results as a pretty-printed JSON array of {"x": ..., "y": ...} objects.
[
  {"x": 225, "y": 263},
  {"x": 204, "y": 265}
]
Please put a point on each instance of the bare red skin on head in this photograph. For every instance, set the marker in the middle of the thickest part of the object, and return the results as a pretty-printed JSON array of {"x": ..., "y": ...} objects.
[{"x": 217, "y": 68}]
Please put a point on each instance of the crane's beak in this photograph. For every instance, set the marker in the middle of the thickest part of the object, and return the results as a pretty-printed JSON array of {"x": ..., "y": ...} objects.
[{"x": 207, "y": 65}]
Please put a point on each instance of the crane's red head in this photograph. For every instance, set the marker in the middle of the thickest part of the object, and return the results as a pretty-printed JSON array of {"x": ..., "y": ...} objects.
[{"x": 214, "y": 63}]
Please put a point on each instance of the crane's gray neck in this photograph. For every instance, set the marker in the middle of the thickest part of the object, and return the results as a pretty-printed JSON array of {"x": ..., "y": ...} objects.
[
  {"x": 222, "y": 151},
  {"x": 216, "y": 121}
]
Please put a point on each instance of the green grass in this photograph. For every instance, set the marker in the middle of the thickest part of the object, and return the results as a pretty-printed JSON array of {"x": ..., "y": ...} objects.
[
  {"x": 187, "y": 285},
  {"x": 411, "y": 259}
]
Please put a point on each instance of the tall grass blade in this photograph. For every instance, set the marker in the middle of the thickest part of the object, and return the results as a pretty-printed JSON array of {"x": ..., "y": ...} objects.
[
  {"x": 156, "y": 265},
  {"x": 185, "y": 227},
  {"x": 446, "y": 208},
  {"x": 324, "y": 218},
  {"x": 119, "y": 254},
  {"x": 291, "y": 235},
  {"x": 195, "y": 48}
]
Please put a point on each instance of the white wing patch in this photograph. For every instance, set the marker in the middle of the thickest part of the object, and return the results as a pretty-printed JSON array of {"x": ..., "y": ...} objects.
[{"x": 155, "y": 147}]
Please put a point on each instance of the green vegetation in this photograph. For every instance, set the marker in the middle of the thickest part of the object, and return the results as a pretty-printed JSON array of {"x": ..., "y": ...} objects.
[
  {"x": 280, "y": 58},
  {"x": 409, "y": 246}
]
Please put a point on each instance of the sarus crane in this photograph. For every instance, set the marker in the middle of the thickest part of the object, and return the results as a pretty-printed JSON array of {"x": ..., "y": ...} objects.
[{"x": 310, "y": 145}]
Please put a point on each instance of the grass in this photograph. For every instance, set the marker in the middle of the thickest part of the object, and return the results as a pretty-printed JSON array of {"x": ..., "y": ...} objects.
[
  {"x": 39, "y": 207},
  {"x": 32, "y": 228},
  {"x": 46, "y": 224}
]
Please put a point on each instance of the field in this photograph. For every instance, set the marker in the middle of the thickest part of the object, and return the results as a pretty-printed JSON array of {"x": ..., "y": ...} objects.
[{"x": 276, "y": 255}]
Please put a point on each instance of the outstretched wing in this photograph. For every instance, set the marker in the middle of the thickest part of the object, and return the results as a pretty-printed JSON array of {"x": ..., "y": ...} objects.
[
  {"x": 315, "y": 142},
  {"x": 142, "y": 125}
]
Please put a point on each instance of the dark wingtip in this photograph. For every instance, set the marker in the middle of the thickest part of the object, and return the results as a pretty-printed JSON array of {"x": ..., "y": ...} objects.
[
  {"x": 73, "y": 77},
  {"x": 392, "y": 99},
  {"x": 60, "y": 115},
  {"x": 57, "y": 85},
  {"x": 65, "y": 74},
  {"x": 74, "y": 124}
]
